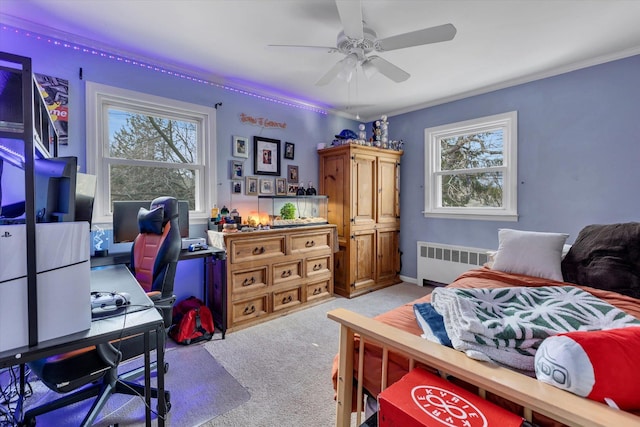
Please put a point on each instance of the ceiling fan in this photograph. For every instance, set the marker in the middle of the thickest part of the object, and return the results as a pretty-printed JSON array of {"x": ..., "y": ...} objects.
[{"x": 357, "y": 40}]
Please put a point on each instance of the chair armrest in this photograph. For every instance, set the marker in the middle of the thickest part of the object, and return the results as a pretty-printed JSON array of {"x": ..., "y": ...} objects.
[
  {"x": 164, "y": 305},
  {"x": 109, "y": 354}
]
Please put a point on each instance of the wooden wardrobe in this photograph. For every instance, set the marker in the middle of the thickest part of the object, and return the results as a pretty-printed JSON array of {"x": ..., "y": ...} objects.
[{"x": 363, "y": 186}]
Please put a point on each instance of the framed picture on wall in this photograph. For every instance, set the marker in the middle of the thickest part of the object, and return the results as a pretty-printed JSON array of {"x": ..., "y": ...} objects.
[
  {"x": 236, "y": 187},
  {"x": 292, "y": 174},
  {"x": 266, "y": 156},
  {"x": 237, "y": 170},
  {"x": 266, "y": 186},
  {"x": 251, "y": 186},
  {"x": 240, "y": 147},
  {"x": 292, "y": 189},
  {"x": 281, "y": 186},
  {"x": 289, "y": 150}
]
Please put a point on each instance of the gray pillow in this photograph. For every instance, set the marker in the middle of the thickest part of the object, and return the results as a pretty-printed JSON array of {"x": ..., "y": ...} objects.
[{"x": 606, "y": 257}]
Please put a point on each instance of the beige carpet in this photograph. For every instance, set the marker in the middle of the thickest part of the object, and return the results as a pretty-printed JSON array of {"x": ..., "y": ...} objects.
[
  {"x": 285, "y": 363},
  {"x": 200, "y": 388}
]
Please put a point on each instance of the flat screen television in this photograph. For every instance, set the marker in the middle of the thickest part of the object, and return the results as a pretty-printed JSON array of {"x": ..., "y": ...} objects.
[
  {"x": 11, "y": 100},
  {"x": 12, "y": 117},
  {"x": 125, "y": 219}
]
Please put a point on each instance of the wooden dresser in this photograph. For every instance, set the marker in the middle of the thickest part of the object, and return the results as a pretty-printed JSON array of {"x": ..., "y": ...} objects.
[
  {"x": 363, "y": 186},
  {"x": 273, "y": 272}
]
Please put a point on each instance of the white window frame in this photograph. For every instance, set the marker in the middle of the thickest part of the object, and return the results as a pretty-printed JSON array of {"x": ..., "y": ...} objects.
[
  {"x": 99, "y": 98},
  {"x": 433, "y": 208}
]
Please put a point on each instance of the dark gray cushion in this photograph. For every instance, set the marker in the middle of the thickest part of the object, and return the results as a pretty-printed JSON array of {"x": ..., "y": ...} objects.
[{"x": 606, "y": 257}]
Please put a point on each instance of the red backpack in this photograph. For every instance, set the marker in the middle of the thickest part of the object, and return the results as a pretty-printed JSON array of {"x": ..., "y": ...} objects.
[{"x": 192, "y": 322}]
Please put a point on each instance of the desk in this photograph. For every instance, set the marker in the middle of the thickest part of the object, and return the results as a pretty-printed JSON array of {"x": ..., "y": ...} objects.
[
  {"x": 135, "y": 322},
  {"x": 125, "y": 257},
  {"x": 215, "y": 277}
]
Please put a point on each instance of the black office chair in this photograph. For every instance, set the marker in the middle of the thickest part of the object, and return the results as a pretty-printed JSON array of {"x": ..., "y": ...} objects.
[
  {"x": 93, "y": 371},
  {"x": 155, "y": 253}
]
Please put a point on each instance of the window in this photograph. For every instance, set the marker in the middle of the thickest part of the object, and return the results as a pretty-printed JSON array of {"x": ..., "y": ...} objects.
[
  {"x": 142, "y": 146},
  {"x": 471, "y": 169}
]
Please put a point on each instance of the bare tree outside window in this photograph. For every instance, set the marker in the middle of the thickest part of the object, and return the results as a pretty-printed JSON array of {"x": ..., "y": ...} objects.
[
  {"x": 151, "y": 156},
  {"x": 465, "y": 161},
  {"x": 471, "y": 169}
]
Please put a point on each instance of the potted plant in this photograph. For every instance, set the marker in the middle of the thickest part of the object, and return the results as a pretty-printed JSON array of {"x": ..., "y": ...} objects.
[{"x": 288, "y": 211}]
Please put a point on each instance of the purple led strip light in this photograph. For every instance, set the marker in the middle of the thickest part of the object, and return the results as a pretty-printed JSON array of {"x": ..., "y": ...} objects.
[{"x": 156, "y": 68}]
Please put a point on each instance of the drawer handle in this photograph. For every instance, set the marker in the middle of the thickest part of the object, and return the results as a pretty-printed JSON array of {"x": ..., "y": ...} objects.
[
  {"x": 286, "y": 274},
  {"x": 249, "y": 310},
  {"x": 258, "y": 251},
  {"x": 317, "y": 291},
  {"x": 286, "y": 300},
  {"x": 310, "y": 243},
  {"x": 317, "y": 267},
  {"x": 248, "y": 282}
]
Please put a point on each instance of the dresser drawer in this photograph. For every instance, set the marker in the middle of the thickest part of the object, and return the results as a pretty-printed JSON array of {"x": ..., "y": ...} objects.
[
  {"x": 256, "y": 249},
  {"x": 248, "y": 280},
  {"x": 318, "y": 266},
  {"x": 287, "y": 271},
  {"x": 249, "y": 309},
  {"x": 286, "y": 299},
  {"x": 301, "y": 243},
  {"x": 319, "y": 289}
]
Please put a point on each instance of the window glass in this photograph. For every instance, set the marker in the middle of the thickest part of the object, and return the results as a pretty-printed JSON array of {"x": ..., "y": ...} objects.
[
  {"x": 471, "y": 169},
  {"x": 154, "y": 144}
]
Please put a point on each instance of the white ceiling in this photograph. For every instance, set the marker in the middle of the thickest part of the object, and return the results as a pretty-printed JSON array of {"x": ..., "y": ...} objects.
[{"x": 498, "y": 43}]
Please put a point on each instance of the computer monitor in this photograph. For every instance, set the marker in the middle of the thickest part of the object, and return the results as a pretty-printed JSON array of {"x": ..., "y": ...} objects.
[
  {"x": 54, "y": 192},
  {"x": 125, "y": 219},
  {"x": 85, "y": 195},
  {"x": 183, "y": 218},
  {"x": 55, "y": 189}
]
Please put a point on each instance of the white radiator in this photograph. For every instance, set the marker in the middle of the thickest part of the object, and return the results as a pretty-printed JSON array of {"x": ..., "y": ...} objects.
[{"x": 444, "y": 263}]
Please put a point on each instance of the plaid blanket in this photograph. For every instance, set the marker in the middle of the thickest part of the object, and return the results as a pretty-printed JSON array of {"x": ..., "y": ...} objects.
[{"x": 507, "y": 325}]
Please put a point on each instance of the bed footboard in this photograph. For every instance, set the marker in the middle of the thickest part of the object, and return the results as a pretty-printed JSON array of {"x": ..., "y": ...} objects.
[{"x": 532, "y": 395}]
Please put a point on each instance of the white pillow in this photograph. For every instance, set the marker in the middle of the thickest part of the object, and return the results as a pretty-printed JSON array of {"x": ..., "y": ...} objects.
[
  {"x": 491, "y": 255},
  {"x": 565, "y": 250},
  {"x": 530, "y": 253}
]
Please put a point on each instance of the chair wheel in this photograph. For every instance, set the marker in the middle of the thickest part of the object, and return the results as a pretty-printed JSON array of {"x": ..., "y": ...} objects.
[
  {"x": 28, "y": 422},
  {"x": 167, "y": 407},
  {"x": 167, "y": 402}
]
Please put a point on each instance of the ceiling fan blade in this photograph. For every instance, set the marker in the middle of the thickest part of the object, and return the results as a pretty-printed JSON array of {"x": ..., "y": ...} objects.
[
  {"x": 441, "y": 33},
  {"x": 350, "y": 12},
  {"x": 384, "y": 67},
  {"x": 327, "y": 49},
  {"x": 330, "y": 75}
]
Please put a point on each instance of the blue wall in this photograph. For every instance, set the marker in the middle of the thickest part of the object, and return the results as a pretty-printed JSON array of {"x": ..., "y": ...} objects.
[
  {"x": 578, "y": 156},
  {"x": 304, "y": 128},
  {"x": 578, "y": 143}
]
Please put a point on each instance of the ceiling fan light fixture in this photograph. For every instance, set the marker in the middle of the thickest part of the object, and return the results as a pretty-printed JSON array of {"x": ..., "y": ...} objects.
[
  {"x": 369, "y": 69},
  {"x": 347, "y": 66}
]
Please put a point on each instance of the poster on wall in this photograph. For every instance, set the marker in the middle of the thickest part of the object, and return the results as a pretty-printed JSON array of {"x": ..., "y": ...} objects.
[{"x": 55, "y": 92}]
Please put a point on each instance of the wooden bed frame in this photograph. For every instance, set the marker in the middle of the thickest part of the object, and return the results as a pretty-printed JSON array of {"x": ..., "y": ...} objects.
[{"x": 533, "y": 395}]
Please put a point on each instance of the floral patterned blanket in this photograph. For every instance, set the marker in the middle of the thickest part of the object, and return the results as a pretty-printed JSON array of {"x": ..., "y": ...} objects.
[{"x": 507, "y": 325}]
